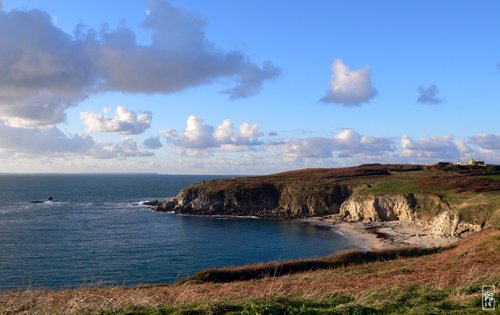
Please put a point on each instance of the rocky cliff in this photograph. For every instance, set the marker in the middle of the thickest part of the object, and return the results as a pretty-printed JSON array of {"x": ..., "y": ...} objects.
[{"x": 366, "y": 193}]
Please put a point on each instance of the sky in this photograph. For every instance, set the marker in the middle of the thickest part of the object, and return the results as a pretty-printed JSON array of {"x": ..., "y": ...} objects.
[{"x": 246, "y": 87}]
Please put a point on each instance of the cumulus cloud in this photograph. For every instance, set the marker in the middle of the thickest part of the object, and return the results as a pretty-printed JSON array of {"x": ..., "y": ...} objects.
[
  {"x": 198, "y": 135},
  {"x": 152, "y": 143},
  {"x": 124, "y": 122},
  {"x": 438, "y": 147},
  {"x": 487, "y": 141},
  {"x": 349, "y": 87},
  {"x": 429, "y": 95},
  {"x": 224, "y": 132},
  {"x": 344, "y": 144},
  {"x": 272, "y": 134},
  {"x": 44, "y": 71},
  {"x": 308, "y": 148},
  {"x": 250, "y": 130}
]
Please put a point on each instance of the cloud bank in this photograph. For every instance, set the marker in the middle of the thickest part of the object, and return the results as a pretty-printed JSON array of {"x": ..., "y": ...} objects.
[
  {"x": 346, "y": 143},
  {"x": 438, "y": 147},
  {"x": 52, "y": 142},
  {"x": 349, "y": 87},
  {"x": 44, "y": 71},
  {"x": 487, "y": 141},
  {"x": 42, "y": 141}
]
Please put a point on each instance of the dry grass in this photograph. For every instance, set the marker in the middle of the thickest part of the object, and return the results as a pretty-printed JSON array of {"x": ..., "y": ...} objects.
[
  {"x": 281, "y": 268},
  {"x": 460, "y": 271}
]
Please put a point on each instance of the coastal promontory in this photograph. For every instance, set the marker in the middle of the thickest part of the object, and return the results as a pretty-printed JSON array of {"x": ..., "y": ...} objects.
[{"x": 446, "y": 199}]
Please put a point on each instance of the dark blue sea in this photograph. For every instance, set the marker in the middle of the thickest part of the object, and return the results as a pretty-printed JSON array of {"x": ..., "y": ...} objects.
[{"x": 96, "y": 231}]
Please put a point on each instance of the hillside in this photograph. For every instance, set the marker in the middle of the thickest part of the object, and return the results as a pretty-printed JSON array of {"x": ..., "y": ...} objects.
[
  {"x": 449, "y": 200},
  {"x": 444, "y": 282}
]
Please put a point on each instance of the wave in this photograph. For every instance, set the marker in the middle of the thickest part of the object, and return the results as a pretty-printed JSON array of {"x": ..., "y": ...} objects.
[
  {"x": 142, "y": 202},
  {"x": 337, "y": 231},
  {"x": 217, "y": 216}
]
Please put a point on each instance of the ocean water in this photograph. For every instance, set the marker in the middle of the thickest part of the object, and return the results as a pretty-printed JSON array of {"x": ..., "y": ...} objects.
[{"x": 96, "y": 231}]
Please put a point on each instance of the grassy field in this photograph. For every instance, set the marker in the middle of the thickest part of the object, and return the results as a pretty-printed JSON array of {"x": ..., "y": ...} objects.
[{"x": 445, "y": 282}]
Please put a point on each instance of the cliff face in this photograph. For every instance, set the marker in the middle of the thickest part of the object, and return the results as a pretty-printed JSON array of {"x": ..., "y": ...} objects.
[
  {"x": 379, "y": 208},
  {"x": 263, "y": 200},
  {"x": 364, "y": 194},
  {"x": 291, "y": 202}
]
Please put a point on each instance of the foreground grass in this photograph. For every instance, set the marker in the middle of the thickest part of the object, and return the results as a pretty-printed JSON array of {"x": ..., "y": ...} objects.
[
  {"x": 416, "y": 300},
  {"x": 448, "y": 282}
]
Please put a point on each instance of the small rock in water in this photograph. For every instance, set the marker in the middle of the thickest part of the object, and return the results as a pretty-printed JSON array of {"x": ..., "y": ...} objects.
[{"x": 154, "y": 202}]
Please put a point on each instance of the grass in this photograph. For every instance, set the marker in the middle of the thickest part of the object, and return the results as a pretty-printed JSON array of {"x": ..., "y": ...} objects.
[
  {"x": 495, "y": 177},
  {"x": 416, "y": 300},
  {"x": 389, "y": 186},
  {"x": 446, "y": 282},
  {"x": 276, "y": 269}
]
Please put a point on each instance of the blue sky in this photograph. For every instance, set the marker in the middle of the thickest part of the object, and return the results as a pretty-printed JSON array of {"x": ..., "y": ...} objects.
[{"x": 412, "y": 82}]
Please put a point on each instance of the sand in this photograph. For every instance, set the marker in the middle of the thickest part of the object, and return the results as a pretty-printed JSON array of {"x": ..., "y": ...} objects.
[{"x": 383, "y": 235}]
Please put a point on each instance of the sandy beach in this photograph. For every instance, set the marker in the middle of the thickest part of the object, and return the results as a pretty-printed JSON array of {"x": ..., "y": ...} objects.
[{"x": 383, "y": 235}]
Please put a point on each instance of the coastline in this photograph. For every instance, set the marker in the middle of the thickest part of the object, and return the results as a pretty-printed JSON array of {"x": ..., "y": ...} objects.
[{"x": 382, "y": 235}]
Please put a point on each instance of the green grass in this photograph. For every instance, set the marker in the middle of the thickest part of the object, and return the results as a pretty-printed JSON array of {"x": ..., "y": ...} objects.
[
  {"x": 495, "y": 177},
  {"x": 387, "y": 186}
]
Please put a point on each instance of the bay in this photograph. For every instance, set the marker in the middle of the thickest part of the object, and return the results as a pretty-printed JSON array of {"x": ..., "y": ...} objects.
[{"x": 96, "y": 231}]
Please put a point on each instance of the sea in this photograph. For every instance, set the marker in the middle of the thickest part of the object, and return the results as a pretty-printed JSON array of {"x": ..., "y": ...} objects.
[{"x": 97, "y": 231}]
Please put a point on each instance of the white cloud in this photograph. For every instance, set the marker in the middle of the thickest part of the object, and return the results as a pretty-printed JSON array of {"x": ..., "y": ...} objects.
[
  {"x": 124, "y": 122},
  {"x": 44, "y": 71},
  {"x": 198, "y": 135},
  {"x": 250, "y": 131},
  {"x": 437, "y": 147},
  {"x": 349, "y": 88},
  {"x": 429, "y": 95},
  {"x": 125, "y": 148},
  {"x": 463, "y": 147},
  {"x": 224, "y": 132},
  {"x": 344, "y": 144},
  {"x": 487, "y": 141},
  {"x": 308, "y": 148}
]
